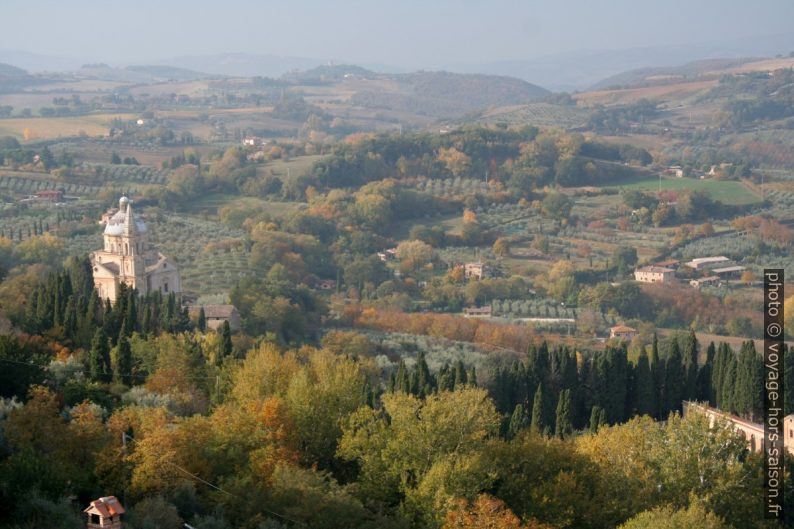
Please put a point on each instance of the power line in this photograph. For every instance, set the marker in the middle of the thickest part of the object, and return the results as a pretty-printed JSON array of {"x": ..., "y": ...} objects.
[
  {"x": 183, "y": 470},
  {"x": 212, "y": 485}
]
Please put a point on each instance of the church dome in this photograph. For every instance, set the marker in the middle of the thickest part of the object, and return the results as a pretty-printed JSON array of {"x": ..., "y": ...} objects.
[{"x": 115, "y": 224}]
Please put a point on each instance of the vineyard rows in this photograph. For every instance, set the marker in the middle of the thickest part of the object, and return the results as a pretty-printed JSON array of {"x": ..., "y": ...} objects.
[
  {"x": 128, "y": 173},
  {"x": 31, "y": 186},
  {"x": 452, "y": 186}
]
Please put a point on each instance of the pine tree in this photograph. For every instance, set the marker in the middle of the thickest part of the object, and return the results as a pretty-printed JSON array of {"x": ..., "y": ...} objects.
[
  {"x": 202, "y": 321},
  {"x": 564, "y": 427},
  {"x": 226, "y": 339},
  {"x": 99, "y": 357},
  {"x": 518, "y": 421},
  {"x": 123, "y": 366},
  {"x": 538, "y": 425}
]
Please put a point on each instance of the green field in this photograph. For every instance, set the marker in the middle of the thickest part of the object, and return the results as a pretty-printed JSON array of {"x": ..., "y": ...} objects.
[
  {"x": 726, "y": 191},
  {"x": 212, "y": 202}
]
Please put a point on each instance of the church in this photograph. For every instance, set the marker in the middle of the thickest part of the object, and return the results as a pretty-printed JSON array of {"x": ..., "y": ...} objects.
[{"x": 127, "y": 257}]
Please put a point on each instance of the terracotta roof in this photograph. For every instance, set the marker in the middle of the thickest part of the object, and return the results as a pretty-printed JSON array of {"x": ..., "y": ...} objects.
[
  {"x": 106, "y": 507},
  {"x": 622, "y": 328},
  {"x": 215, "y": 311}
]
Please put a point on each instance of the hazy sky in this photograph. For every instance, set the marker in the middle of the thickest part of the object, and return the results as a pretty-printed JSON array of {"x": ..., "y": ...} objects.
[{"x": 409, "y": 33}]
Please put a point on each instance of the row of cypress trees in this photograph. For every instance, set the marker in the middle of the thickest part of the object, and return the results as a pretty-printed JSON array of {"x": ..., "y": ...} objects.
[
  {"x": 67, "y": 307},
  {"x": 556, "y": 391},
  {"x": 419, "y": 381}
]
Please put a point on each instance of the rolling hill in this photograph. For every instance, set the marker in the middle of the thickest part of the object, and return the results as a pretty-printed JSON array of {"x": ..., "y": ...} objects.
[{"x": 445, "y": 94}]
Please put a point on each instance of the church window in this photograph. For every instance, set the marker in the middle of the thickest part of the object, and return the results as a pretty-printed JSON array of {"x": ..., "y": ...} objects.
[{"x": 165, "y": 287}]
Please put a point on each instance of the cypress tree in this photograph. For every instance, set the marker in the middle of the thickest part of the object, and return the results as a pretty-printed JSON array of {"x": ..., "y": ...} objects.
[
  {"x": 202, "y": 321},
  {"x": 226, "y": 339},
  {"x": 674, "y": 381},
  {"x": 123, "y": 366},
  {"x": 749, "y": 381},
  {"x": 564, "y": 427},
  {"x": 446, "y": 378},
  {"x": 425, "y": 381},
  {"x": 690, "y": 354},
  {"x": 518, "y": 421},
  {"x": 645, "y": 402},
  {"x": 728, "y": 384},
  {"x": 413, "y": 380},
  {"x": 597, "y": 418},
  {"x": 70, "y": 319},
  {"x": 657, "y": 373},
  {"x": 460, "y": 374},
  {"x": 704, "y": 392},
  {"x": 146, "y": 325},
  {"x": 401, "y": 382},
  {"x": 537, "y": 425},
  {"x": 471, "y": 377},
  {"x": 99, "y": 357},
  {"x": 718, "y": 375}
]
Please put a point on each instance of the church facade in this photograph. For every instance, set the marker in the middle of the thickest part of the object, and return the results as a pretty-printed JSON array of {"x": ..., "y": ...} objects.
[{"x": 128, "y": 257}]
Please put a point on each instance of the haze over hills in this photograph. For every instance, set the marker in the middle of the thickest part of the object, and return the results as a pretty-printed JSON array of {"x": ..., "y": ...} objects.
[
  {"x": 584, "y": 69},
  {"x": 568, "y": 71}
]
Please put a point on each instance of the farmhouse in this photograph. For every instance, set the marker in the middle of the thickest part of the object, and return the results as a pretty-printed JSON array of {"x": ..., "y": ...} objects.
[
  {"x": 702, "y": 263},
  {"x": 49, "y": 195},
  {"x": 128, "y": 258},
  {"x": 104, "y": 513},
  {"x": 654, "y": 274},
  {"x": 215, "y": 315},
  {"x": 622, "y": 332},
  {"x": 478, "y": 270}
]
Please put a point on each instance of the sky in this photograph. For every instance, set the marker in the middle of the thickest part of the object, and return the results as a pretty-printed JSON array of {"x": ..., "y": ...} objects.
[{"x": 403, "y": 33}]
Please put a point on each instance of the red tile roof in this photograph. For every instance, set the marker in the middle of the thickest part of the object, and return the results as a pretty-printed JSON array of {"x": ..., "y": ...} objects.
[{"x": 106, "y": 507}]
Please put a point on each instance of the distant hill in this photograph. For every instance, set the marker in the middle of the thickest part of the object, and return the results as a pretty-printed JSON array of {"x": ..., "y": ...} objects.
[
  {"x": 645, "y": 76},
  {"x": 329, "y": 72},
  {"x": 170, "y": 73},
  {"x": 7, "y": 70},
  {"x": 243, "y": 64},
  {"x": 445, "y": 94},
  {"x": 581, "y": 69}
]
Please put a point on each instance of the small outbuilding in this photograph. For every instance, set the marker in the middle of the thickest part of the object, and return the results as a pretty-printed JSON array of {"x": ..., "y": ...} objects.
[
  {"x": 622, "y": 332},
  {"x": 104, "y": 513}
]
